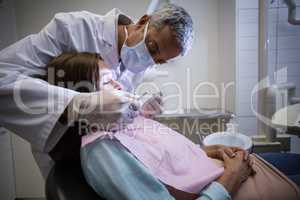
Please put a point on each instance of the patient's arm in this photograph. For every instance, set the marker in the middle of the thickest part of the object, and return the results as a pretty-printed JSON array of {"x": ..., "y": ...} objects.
[{"x": 216, "y": 151}]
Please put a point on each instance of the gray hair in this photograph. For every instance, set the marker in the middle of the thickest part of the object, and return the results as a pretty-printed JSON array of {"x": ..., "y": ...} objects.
[{"x": 180, "y": 23}]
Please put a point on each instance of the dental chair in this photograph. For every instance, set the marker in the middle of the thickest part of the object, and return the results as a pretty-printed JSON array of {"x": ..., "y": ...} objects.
[{"x": 66, "y": 182}]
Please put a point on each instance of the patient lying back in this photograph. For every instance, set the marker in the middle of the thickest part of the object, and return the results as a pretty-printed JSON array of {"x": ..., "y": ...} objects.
[{"x": 185, "y": 169}]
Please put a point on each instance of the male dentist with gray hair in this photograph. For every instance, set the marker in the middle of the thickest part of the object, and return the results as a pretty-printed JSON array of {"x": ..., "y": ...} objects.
[{"x": 35, "y": 110}]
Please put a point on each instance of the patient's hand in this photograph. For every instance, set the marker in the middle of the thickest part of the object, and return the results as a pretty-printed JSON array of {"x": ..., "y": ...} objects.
[
  {"x": 237, "y": 170},
  {"x": 216, "y": 151}
]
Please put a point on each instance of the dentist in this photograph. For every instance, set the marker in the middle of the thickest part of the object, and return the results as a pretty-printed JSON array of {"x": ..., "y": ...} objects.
[{"x": 40, "y": 113}]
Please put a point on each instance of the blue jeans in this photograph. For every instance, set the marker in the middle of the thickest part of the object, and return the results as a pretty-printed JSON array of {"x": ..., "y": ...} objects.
[
  {"x": 287, "y": 163},
  {"x": 114, "y": 173}
]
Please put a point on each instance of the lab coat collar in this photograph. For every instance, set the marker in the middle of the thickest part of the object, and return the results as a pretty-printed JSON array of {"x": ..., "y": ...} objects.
[{"x": 110, "y": 36}]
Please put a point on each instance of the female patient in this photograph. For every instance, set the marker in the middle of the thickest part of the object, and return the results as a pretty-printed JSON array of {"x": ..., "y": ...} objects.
[{"x": 147, "y": 160}]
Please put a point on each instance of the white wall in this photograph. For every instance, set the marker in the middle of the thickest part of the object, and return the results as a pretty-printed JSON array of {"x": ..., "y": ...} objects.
[
  {"x": 7, "y": 182},
  {"x": 8, "y": 23},
  {"x": 246, "y": 63},
  {"x": 227, "y": 50},
  {"x": 7, "y": 36},
  {"x": 284, "y": 50}
]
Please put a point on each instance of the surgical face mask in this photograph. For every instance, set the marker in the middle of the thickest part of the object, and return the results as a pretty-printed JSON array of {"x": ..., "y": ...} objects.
[{"x": 136, "y": 58}]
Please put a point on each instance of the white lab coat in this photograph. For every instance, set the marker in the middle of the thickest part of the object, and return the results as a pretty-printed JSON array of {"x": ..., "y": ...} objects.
[{"x": 20, "y": 62}]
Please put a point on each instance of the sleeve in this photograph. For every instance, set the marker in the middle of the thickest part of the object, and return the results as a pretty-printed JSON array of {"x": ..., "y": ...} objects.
[
  {"x": 214, "y": 191},
  {"x": 32, "y": 108},
  {"x": 28, "y": 57}
]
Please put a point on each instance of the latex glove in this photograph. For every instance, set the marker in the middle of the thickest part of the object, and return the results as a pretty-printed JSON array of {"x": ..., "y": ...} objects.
[
  {"x": 108, "y": 110},
  {"x": 152, "y": 106}
]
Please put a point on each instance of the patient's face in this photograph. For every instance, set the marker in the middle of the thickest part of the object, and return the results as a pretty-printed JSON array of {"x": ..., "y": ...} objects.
[
  {"x": 105, "y": 77},
  {"x": 102, "y": 65}
]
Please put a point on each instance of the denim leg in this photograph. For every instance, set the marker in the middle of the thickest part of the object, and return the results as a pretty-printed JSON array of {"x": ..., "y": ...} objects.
[{"x": 116, "y": 174}]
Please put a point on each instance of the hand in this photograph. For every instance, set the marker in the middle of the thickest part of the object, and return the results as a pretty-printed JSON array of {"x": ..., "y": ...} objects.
[
  {"x": 128, "y": 113},
  {"x": 216, "y": 151},
  {"x": 108, "y": 110},
  {"x": 152, "y": 106},
  {"x": 237, "y": 170},
  {"x": 106, "y": 77}
]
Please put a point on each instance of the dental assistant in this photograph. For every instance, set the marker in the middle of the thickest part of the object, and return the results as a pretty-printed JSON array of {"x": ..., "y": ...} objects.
[{"x": 36, "y": 110}]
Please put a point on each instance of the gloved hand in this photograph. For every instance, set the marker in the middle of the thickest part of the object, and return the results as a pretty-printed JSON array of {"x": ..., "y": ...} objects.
[
  {"x": 152, "y": 106},
  {"x": 108, "y": 110}
]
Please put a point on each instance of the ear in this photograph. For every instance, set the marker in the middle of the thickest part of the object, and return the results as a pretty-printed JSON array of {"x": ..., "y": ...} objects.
[{"x": 143, "y": 20}]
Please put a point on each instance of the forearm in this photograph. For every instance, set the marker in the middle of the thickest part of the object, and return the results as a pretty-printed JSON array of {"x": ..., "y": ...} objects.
[
  {"x": 215, "y": 191},
  {"x": 211, "y": 151},
  {"x": 230, "y": 181}
]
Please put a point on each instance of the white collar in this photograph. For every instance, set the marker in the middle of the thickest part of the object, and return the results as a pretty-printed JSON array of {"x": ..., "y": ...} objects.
[{"x": 110, "y": 35}]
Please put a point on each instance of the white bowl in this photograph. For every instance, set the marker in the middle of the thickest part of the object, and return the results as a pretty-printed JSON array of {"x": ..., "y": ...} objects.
[{"x": 229, "y": 139}]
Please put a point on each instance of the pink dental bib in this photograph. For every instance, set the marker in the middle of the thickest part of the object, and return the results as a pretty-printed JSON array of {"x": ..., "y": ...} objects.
[{"x": 169, "y": 156}]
